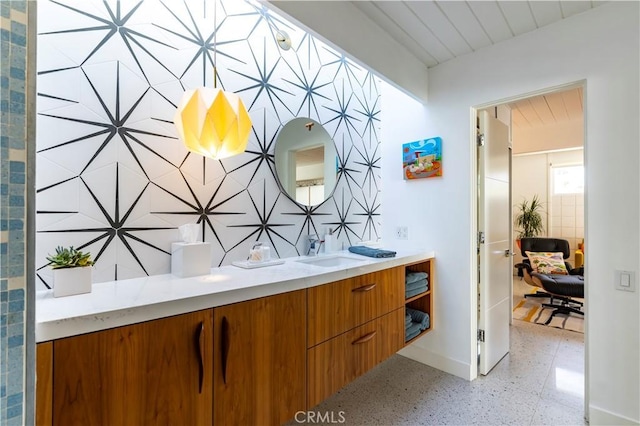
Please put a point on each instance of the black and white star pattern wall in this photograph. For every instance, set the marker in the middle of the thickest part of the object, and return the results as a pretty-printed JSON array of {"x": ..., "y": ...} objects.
[{"x": 113, "y": 178}]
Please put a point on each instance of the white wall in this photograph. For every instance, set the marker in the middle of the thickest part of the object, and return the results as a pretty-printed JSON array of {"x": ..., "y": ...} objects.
[
  {"x": 429, "y": 208},
  {"x": 601, "y": 46},
  {"x": 530, "y": 176}
]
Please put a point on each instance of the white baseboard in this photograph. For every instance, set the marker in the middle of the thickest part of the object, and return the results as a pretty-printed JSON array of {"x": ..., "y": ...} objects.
[
  {"x": 434, "y": 360},
  {"x": 599, "y": 416}
]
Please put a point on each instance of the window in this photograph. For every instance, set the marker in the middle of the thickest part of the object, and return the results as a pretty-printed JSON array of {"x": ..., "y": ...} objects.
[{"x": 568, "y": 179}]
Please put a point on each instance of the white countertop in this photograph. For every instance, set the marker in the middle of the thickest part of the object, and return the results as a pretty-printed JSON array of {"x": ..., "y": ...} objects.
[{"x": 117, "y": 303}]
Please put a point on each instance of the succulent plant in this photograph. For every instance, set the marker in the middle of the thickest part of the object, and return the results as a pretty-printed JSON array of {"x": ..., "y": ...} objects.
[{"x": 69, "y": 258}]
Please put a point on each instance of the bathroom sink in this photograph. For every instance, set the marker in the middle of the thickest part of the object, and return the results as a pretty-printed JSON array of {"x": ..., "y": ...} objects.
[{"x": 330, "y": 261}]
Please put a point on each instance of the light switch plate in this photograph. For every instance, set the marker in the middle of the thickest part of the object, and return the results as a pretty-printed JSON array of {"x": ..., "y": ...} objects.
[{"x": 625, "y": 280}]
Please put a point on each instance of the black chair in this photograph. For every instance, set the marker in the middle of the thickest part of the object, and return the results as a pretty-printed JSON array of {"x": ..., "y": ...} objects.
[{"x": 560, "y": 289}]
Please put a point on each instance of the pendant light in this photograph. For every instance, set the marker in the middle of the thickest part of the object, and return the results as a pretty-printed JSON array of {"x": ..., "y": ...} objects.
[{"x": 210, "y": 121}]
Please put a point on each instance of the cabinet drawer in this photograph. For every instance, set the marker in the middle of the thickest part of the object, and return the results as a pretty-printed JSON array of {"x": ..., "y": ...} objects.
[
  {"x": 335, "y": 363},
  {"x": 342, "y": 305}
]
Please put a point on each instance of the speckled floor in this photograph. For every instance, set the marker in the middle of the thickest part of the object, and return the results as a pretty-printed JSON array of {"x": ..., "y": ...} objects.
[{"x": 540, "y": 382}]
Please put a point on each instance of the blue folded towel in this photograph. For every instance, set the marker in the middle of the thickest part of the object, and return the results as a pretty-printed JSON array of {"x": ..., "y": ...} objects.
[
  {"x": 415, "y": 276},
  {"x": 412, "y": 331},
  {"x": 411, "y": 293},
  {"x": 419, "y": 317},
  {"x": 415, "y": 284},
  {"x": 407, "y": 320},
  {"x": 371, "y": 252}
]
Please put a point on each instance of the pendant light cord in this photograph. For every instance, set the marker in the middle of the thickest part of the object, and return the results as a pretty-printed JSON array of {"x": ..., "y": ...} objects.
[{"x": 215, "y": 44}]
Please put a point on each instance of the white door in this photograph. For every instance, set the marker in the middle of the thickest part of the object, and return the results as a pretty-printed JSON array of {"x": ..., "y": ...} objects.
[{"x": 494, "y": 253}]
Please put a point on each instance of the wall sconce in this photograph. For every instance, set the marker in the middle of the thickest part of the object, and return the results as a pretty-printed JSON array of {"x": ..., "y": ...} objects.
[{"x": 212, "y": 122}]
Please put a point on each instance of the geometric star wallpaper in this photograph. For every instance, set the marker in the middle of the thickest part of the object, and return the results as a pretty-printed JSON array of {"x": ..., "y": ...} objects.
[{"x": 113, "y": 178}]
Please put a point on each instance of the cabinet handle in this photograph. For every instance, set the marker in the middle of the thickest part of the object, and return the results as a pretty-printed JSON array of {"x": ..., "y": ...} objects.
[
  {"x": 225, "y": 347},
  {"x": 201, "y": 353},
  {"x": 364, "y": 338},
  {"x": 364, "y": 288}
]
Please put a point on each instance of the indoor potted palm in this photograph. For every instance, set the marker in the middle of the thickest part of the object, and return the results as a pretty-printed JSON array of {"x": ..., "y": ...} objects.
[
  {"x": 71, "y": 271},
  {"x": 528, "y": 219}
]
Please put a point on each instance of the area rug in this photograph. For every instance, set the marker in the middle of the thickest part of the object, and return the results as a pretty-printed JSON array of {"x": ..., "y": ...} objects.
[{"x": 534, "y": 312}]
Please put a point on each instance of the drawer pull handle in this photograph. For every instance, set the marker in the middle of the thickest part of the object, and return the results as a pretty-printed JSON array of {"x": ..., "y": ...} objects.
[
  {"x": 226, "y": 344},
  {"x": 364, "y": 288},
  {"x": 201, "y": 344},
  {"x": 364, "y": 338}
]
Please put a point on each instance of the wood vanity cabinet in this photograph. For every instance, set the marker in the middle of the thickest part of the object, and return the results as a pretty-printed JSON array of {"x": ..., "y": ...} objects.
[
  {"x": 260, "y": 360},
  {"x": 354, "y": 324},
  {"x": 157, "y": 372}
]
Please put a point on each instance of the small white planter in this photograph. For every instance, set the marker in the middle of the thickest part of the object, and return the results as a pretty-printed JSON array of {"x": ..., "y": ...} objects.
[{"x": 70, "y": 281}]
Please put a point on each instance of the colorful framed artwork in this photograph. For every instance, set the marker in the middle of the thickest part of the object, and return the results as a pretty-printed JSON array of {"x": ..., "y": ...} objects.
[{"x": 422, "y": 159}]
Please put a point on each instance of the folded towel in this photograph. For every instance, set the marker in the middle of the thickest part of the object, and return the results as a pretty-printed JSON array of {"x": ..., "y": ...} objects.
[
  {"x": 415, "y": 284},
  {"x": 419, "y": 317},
  {"x": 415, "y": 276},
  {"x": 412, "y": 332},
  {"x": 371, "y": 252},
  {"x": 411, "y": 293},
  {"x": 407, "y": 320}
]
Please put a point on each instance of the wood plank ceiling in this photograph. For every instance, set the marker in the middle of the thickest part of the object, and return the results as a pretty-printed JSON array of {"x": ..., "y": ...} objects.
[
  {"x": 552, "y": 108},
  {"x": 437, "y": 31}
]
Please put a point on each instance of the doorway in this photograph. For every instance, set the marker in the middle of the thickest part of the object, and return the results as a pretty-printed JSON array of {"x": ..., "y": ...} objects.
[{"x": 556, "y": 156}]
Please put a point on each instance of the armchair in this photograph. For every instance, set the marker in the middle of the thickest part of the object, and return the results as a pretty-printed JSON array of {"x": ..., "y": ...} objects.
[{"x": 559, "y": 288}]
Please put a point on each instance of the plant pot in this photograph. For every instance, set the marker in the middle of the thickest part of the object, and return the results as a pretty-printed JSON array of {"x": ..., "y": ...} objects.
[{"x": 70, "y": 281}]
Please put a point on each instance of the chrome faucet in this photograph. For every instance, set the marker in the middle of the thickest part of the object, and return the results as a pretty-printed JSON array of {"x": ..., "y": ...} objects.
[{"x": 314, "y": 245}]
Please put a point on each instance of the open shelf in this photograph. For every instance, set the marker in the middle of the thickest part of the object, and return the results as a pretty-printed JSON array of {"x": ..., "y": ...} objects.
[{"x": 423, "y": 301}]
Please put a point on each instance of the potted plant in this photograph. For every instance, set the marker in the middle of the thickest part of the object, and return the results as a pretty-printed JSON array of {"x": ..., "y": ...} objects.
[
  {"x": 528, "y": 219},
  {"x": 71, "y": 271}
]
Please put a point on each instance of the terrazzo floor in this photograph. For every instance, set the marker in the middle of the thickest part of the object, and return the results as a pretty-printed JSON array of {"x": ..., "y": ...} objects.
[{"x": 540, "y": 382}]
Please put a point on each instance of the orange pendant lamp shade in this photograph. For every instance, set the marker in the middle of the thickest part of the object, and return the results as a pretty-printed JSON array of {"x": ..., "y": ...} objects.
[{"x": 213, "y": 123}]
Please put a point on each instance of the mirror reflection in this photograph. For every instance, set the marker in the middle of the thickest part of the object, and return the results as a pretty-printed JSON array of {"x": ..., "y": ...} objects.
[{"x": 306, "y": 162}]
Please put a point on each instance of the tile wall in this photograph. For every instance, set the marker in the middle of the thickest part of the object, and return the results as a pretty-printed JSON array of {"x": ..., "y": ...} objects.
[
  {"x": 112, "y": 177},
  {"x": 13, "y": 158}
]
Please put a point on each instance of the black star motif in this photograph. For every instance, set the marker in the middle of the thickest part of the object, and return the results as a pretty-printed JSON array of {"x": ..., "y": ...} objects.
[
  {"x": 263, "y": 83},
  {"x": 309, "y": 85},
  {"x": 309, "y": 212},
  {"x": 263, "y": 226},
  {"x": 264, "y": 157},
  {"x": 203, "y": 211},
  {"x": 342, "y": 113},
  {"x": 370, "y": 210},
  {"x": 116, "y": 26},
  {"x": 344, "y": 171},
  {"x": 370, "y": 113},
  {"x": 370, "y": 161},
  {"x": 343, "y": 224},
  {"x": 116, "y": 229},
  {"x": 116, "y": 125},
  {"x": 206, "y": 43}
]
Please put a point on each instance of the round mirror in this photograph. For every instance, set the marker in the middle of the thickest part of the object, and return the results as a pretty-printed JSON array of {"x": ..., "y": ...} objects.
[{"x": 306, "y": 162}]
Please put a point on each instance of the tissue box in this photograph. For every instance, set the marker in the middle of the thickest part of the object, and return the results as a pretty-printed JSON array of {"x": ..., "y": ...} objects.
[{"x": 190, "y": 259}]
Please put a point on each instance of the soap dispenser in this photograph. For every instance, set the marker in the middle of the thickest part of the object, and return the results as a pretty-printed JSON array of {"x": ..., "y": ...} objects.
[{"x": 328, "y": 241}]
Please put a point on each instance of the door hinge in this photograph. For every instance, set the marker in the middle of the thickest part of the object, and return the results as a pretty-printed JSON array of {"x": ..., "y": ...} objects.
[
  {"x": 480, "y": 237},
  {"x": 481, "y": 336},
  {"x": 480, "y": 139}
]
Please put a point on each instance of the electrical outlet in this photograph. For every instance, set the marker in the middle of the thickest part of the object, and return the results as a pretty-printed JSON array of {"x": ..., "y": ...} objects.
[{"x": 402, "y": 232}]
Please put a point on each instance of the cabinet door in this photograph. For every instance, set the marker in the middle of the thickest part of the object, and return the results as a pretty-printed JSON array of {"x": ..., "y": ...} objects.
[
  {"x": 158, "y": 372},
  {"x": 260, "y": 360}
]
